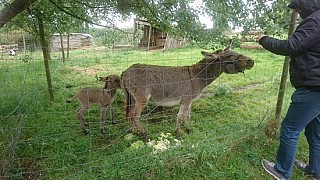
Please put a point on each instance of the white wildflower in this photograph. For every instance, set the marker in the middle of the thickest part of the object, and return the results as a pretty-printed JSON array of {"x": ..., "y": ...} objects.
[{"x": 128, "y": 136}]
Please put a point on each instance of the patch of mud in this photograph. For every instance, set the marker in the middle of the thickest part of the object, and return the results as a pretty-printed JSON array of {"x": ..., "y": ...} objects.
[
  {"x": 247, "y": 87},
  {"x": 206, "y": 94},
  {"x": 89, "y": 71}
]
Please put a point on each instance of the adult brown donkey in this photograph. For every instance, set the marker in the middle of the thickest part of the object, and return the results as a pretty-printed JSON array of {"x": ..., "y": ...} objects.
[{"x": 169, "y": 86}]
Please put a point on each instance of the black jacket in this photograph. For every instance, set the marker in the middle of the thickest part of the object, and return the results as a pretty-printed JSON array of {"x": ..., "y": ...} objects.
[{"x": 303, "y": 46}]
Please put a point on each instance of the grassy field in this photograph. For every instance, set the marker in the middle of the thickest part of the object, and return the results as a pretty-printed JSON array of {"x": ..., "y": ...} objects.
[{"x": 40, "y": 139}]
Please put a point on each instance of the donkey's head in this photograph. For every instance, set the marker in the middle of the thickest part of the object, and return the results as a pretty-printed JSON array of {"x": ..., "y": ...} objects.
[
  {"x": 232, "y": 62},
  {"x": 112, "y": 81}
]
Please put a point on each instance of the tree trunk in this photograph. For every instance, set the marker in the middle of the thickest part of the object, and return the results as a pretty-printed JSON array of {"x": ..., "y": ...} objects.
[
  {"x": 62, "y": 49},
  {"x": 24, "y": 45},
  {"x": 68, "y": 44},
  {"x": 13, "y": 9},
  {"x": 46, "y": 55}
]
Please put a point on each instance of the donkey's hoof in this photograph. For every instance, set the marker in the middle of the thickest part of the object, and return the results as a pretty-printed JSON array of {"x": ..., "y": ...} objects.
[
  {"x": 145, "y": 137},
  {"x": 134, "y": 131},
  {"x": 177, "y": 135}
]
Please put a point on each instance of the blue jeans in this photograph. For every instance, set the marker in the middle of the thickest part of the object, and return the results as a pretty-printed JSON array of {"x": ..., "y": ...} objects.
[{"x": 303, "y": 113}]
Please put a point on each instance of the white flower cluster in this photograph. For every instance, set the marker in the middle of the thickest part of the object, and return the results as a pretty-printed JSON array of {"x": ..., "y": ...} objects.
[{"x": 163, "y": 143}]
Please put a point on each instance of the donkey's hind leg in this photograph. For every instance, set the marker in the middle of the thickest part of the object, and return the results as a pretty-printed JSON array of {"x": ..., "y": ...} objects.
[
  {"x": 188, "y": 117},
  {"x": 135, "y": 114},
  {"x": 181, "y": 114},
  {"x": 130, "y": 119}
]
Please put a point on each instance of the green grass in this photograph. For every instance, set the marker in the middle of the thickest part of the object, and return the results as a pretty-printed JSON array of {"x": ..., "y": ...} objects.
[{"x": 228, "y": 121}]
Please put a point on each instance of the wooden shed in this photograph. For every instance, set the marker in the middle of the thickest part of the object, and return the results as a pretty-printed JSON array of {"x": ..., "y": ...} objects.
[
  {"x": 76, "y": 41},
  {"x": 154, "y": 38}
]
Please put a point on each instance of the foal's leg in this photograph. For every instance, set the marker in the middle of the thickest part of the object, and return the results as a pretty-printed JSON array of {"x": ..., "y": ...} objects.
[
  {"x": 111, "y": 114},
  {"x": 103, "y": 109},
  {"x": 80, "y": 115}
]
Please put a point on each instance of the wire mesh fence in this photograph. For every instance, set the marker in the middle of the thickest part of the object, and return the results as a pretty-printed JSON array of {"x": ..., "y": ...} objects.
[{"x": 42, "y": 139}]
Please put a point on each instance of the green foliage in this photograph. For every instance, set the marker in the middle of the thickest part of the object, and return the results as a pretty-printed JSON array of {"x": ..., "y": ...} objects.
[
  {"x": 222, "y": 89},
  {"x": 273, "y": 17}
]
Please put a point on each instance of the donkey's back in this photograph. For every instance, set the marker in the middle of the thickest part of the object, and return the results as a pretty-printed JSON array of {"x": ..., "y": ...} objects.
[{"x": 165, "y": 85}]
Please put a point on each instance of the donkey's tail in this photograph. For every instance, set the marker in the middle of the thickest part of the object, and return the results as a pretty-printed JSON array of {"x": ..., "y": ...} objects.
[
  {"x": 70, "y": 100},
  {"x": 129, "y": 99}
]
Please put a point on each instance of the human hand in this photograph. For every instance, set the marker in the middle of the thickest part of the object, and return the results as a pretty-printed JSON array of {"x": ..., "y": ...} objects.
[{"x": 260, "y": 37}]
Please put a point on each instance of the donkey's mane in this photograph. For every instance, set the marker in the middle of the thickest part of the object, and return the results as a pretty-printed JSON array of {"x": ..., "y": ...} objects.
[
  {"x": 207, "y": 61},
  {"x": 211, "y": 59}
]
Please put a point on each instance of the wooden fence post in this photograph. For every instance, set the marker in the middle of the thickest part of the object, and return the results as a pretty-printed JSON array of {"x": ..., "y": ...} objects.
[{"x": 272, "y": 127}]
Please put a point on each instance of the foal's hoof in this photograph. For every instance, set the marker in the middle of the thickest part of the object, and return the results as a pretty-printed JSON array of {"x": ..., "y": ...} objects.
[
  {"x": 112, "y": 122},
  {"x": 85, "y": 131},
  {"x": 188, "y": 130},
  {"x": 102, "y": 131}
]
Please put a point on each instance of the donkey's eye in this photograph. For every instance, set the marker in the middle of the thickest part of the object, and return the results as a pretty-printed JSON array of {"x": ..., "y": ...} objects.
[{"x": 230, "y": 56}]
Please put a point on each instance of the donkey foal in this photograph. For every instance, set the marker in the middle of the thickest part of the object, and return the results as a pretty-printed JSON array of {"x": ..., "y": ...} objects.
[{"x": 103, "y": 97}]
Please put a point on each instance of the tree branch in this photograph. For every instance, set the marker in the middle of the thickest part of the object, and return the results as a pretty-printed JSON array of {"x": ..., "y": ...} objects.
[
  {"x": 14, "y": 9},
  {"x": 83, "y": 19}
]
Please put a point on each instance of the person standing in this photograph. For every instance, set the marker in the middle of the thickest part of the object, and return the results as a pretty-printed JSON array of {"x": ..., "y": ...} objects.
[{"x": 303, "y": 47}]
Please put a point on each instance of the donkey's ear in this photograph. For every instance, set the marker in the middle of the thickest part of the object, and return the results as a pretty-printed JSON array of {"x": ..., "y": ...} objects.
[
  {"x": 210, "y": 56},
  {"x": 228, "y": 46},
  {"x": 206, "y": 54}
]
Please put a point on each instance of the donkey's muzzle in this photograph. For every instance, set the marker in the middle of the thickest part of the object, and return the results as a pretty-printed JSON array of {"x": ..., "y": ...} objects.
[{"x": 249, "y": 63}]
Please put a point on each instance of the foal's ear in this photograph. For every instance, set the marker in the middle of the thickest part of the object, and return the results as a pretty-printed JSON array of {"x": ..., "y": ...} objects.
[
  {"x": 105, "y": 79},
  {"x": 228, "y": 46},
  {"x": 204, "y": 53},
  {"x": 117, "y": 80}
]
